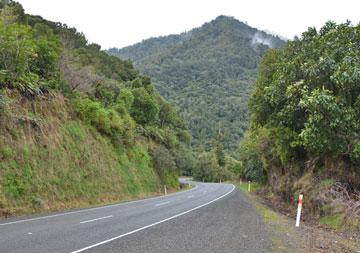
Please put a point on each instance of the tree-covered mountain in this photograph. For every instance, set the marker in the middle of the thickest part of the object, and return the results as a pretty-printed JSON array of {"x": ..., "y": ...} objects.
[{"x": 208, "y": 73}]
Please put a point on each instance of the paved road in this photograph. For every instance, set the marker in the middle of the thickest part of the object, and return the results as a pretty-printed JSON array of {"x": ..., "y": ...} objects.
[{"x": 207, "y": 218}]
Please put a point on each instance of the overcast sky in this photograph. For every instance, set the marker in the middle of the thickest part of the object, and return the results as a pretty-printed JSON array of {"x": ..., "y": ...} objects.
[{"x": 119, "y": 23}]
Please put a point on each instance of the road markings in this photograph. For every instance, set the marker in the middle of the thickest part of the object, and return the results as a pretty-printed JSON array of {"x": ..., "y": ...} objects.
[
  {"x": 153, "y": 224},
  {"x": 101, "y": 218},
  {"x": 163, "y": 203},
  {"x": 95, "y": 208},
  {"x": 29, "y": 233}
]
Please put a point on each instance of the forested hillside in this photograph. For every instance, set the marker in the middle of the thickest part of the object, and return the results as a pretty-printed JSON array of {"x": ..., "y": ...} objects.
[
  {"x": 78, "y": 126},
  {"x": 305, "y": 123},
  {"x": 208, "y": 73}
]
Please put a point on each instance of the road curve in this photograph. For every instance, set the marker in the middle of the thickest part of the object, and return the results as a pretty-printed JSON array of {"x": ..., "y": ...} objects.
[{"x": 161, "y": 224}]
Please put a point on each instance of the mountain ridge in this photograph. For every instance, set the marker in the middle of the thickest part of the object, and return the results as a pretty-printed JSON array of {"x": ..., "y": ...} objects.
[{"x": 208, "y": 73}]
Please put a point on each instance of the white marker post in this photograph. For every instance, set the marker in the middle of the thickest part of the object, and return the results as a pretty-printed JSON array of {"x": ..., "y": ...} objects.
[
  {"x": 240, "y": 181},
  {"x": 249, "y": 186},
  {"x": 300, "y": 202},
  {"x": 165, "y": 191}
]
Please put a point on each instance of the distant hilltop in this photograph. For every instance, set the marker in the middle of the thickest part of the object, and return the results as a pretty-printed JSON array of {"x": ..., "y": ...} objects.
[{"x": 208, "y": 73}]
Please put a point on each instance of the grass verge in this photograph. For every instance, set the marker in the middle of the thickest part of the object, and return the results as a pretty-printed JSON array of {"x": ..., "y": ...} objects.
[{"x": 286, "y": 238}]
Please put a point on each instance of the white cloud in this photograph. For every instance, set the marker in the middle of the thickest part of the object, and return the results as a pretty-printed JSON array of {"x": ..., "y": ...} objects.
[{"x": 120, "y": 23}]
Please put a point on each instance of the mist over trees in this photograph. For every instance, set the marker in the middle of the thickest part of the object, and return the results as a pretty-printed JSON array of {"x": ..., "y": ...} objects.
[{"x": 208, "y": 73}]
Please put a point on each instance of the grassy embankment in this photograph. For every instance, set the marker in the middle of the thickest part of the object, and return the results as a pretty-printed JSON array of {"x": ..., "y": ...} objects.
[{"x": 52, "y": 161}]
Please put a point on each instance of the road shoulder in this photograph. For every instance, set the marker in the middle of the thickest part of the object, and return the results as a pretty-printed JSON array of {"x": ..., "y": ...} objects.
[{"x": 286, "y": 238}]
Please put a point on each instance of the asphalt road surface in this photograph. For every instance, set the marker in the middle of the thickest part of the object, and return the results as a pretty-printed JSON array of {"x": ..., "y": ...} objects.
[{"x": 207, "y": 218}]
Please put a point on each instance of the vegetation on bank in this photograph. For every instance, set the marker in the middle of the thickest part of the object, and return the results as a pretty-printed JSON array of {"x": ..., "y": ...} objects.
[
  {"x": 78, "y": 126},
  {"x": 304, "y": 128},
  {"x": 309, "y": 237}
]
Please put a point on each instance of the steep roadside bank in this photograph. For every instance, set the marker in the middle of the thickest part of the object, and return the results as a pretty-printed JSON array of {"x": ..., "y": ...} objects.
[{"x": 52, "y": 161}]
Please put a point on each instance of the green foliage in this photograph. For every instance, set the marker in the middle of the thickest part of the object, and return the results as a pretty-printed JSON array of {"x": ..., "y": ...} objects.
[
  {"x": 18, "y": 183},
  {"x": 252, "y": 151},
  {"x": 106, "y": 120},
  {"x": 306, "y": 101},
  {"x": 105, "y": 127},
  {"x": 306, "y": 94},
  {"x": 6, "y": 152},
  {"x": 327, "y": 182},
  {"x": 208, "y": 73},
  {"x": 145, "y": 109},
  {"x": 254, "y": 187},
  {"x": 75, "y": 131},
  {"x": 28, "y": 60},
  {"x": 331, "y": 126},
  {"x": 208, "y": 169},
  {"x": 220, "y": 154},
  {"x": 333, "y": 221},
  {"x": 168, "y": 115},
  {"x": 163, "y": 161},
  {"x": 185, "y": 160},
  {"x": 127, "y": 97},
  {"x": 234, "y": 166}
]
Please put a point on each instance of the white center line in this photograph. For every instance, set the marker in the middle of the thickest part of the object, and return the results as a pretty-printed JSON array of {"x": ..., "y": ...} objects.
[
  {"x": 153, "y": 224},
  {"x": 101, "y": 218},
  {"x": 163, "y": 203},
  {"x": 95, "y": 208}
]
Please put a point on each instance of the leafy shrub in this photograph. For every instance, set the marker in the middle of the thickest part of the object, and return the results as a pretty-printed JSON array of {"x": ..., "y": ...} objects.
[
  {"x": 30, "y": 64},
  {"x": 207, "y": 168},
  {"x": 163, "y": 161},
  {"x": 251, "y": 155},
  {"x": 106, "y": 121},
  {"x": 144, "y": 109}
]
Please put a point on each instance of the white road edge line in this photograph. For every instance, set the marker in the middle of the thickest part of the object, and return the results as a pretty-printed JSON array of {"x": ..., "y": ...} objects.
[
  {"x": 101, "y": 218},
  {"x": 153, "y": 224},
  {"x": 94, "y": 208},
  {"x": 163, "y": 203}
]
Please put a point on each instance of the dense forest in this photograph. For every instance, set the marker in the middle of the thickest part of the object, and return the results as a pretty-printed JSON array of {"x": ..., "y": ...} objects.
[
  {"x": 208, "y": 73},
  {"x": 305, "y": 122},
  {"x": 78, "y": 126}
]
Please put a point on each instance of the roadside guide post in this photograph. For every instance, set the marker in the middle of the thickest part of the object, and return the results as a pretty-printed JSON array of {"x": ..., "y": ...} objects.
[
  {"x": 300, "y": 202},
  {"x": 249, "y": 186},
  {"x": 165, "y": 191}
]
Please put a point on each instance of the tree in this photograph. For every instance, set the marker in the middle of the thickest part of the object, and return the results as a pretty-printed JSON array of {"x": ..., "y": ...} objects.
[
  {"x": 206, "y": 168},
  {"x": 331, "y": 128},
  {"x": 306, "y": 101},
  {"x": 144, "y": 109},
  {"x": 163, "y": 161}
]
